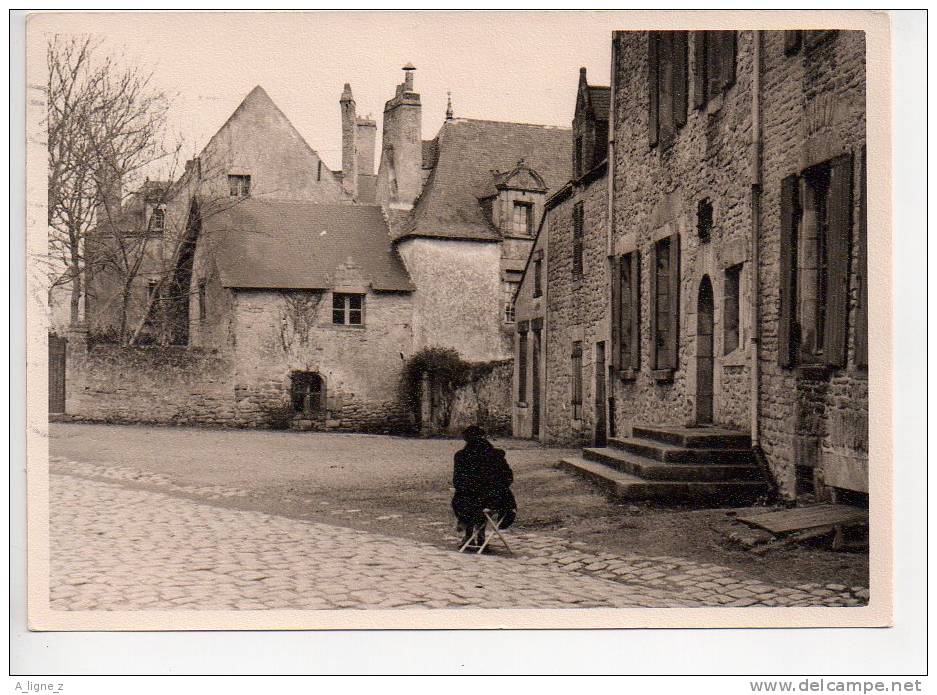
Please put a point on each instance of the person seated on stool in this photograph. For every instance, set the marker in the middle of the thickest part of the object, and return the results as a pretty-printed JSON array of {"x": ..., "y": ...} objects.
[{"x": 482, "y": 480}]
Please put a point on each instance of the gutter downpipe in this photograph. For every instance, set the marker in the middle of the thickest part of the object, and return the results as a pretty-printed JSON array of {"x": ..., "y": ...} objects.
[
  {"x": 756, "y": 184},
  {"x": 609, "y": 246}
]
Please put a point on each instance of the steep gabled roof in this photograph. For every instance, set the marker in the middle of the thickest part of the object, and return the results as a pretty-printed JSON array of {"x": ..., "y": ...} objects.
[
  {"x": 264, "y": 244},
  {"x": 467, "y": 153}
]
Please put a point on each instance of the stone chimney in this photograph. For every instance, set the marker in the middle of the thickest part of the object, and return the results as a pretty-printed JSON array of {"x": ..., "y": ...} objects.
[
  {"x": 367, "y": 137},
  {"x": 110, "y": 194},
  {"x": 349, "y": 143},
  {"x": 400, "y": 177}
]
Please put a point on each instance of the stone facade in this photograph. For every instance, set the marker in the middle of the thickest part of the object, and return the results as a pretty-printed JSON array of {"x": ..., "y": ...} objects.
[
  {"x": 576, "y": 310},
  {"x": 457, "y": 285},
  {"x": 657, "y": 193},
  {"x": 813, "y": 418},
  {"x": 691, "y": 181},
  {"x": 281, "y": 333}
]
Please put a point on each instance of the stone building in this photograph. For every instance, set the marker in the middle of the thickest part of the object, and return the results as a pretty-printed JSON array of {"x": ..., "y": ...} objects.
[
  {"x": 463, "y": 209},
  {"x": 310, "y": 288},
  {"x": 731, "y": 294},
  {"x": 560, "y": 303}
]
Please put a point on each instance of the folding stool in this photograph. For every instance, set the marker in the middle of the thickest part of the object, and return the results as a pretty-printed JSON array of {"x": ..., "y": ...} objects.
[{"x": 492, "y": 525}]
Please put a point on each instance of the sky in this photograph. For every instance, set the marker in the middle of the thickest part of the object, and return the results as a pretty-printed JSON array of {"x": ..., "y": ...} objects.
[{"x": 510, "y": 66}]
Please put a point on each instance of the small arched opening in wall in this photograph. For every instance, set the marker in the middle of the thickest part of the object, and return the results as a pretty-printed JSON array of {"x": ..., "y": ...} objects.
[
  {"x": 307, "y": 395},
  {"x": 705, "y": 368}
]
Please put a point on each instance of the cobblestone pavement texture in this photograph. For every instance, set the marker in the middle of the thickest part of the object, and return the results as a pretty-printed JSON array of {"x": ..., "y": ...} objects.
[{"x": 118, "y": 547}]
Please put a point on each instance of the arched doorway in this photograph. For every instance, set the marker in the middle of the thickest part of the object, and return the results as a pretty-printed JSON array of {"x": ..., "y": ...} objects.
[
  {"x": 307, "y": 392},
  {"x": 704, "y": 353}
]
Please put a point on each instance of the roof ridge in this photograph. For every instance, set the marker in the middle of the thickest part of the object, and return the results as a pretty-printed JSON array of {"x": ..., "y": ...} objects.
[{"x": 488, "y": 120}]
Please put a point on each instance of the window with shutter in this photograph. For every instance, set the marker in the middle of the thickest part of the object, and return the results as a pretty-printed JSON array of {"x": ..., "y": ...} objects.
[
  {"x": 665, "y": 271},
  {"x": 652, "y": 87},
  {"x": 816, "y": 220},
  {"x": 628, "y": 326},
  {"x": 714, "y": 54},
  {"x": 576, "y": 367},
  {"x": 790, "y": 223},
  {"x": 836, "y": 253},
  {"x": 674, "y": 292},
  {"x": 667, "y": 85},
  {"x": 730, "y": 314},
  {"x": 522, "y": 364},
  {"x": 578, "y": 219},
  {"x": 792, "y": 41},
  {"x": 862, "y": 273}
]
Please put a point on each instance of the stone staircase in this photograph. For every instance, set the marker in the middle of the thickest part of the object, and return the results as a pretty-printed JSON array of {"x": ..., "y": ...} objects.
[{"x": 695, "y": 465}]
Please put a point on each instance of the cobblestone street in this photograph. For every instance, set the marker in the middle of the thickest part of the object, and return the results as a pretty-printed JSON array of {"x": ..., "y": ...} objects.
[{"x": 116, "y": 546}]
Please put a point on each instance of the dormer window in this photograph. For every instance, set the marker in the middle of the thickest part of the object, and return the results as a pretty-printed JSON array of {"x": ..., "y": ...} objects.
[
  {"x": 523, "y": 222},
  {"x": 239, "y": 185}
]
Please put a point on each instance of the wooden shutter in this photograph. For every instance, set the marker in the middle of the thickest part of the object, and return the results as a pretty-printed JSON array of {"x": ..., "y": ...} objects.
[
  {"x": 674, "y": 313},
  {"x": 615, "y": 275},
  {"x": 792, "y": 41},
  {"x": 862, "y": 315},
  {"x": 838, "y": 238},
  {"x": 652, "y": 70},
  {"x": 699, "y": 69},
  {"x": 665, "y": 81},
  {"x": 727, "y": 50},
  {"x": 679, "y": 77},
  {"x": 652, "y": 304},
  {"x": 636, "y": 310},
  {"x": 790, "y": 210}
]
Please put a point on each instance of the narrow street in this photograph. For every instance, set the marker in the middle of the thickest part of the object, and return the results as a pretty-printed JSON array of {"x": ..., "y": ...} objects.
[{"x": 211, "y": 519}]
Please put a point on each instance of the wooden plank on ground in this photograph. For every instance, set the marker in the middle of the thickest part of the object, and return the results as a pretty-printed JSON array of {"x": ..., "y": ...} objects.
[{"x": 800, "y": 518}]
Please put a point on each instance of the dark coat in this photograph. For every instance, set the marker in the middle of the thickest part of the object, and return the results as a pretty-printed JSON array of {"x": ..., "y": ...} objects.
[{"x": 482, "y": 479}]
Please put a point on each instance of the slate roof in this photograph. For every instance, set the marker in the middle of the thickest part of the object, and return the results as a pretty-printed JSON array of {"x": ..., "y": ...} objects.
[
  {"x": 430, "y": 152},
  {"x": 265, "y": 244},
  {"x": 601, "y": 98},
  {"x": 468, "y": 152}
]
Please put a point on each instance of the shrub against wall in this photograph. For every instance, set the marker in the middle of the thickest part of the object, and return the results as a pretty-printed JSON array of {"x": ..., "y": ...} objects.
[{"x": 460, "y": 393}]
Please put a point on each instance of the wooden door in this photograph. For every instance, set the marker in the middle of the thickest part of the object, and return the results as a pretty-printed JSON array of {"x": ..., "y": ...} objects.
[
  {"x": 704, "y": 353},
  {"x": 601, "y": 432},
  {"x": 535, "y": 388}
]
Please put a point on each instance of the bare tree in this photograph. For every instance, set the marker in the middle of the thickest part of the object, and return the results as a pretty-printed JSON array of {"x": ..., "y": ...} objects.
[{"x": 106, "y": 125}]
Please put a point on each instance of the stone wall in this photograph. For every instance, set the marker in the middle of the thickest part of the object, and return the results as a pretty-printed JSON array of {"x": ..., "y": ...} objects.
[
  {"x": 484, "y": 401},
  {"x": 816, "y": 111},
  {"x": 173, "y": 385},
  {"x": 576, "y": 310},
  {"x": 248, "y": 384}
]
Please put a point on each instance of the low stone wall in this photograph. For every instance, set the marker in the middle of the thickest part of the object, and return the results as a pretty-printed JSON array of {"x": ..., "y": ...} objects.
[
  {"x": 110, "y": 383},
  {"x": 189, "y": 386},
  {"x": 484, "y": 401}
]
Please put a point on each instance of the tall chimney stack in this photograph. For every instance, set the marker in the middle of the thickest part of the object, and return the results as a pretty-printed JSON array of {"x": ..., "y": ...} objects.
[
  {"x": 366, "y": 138},
  {"x": 400, "y": 177},
  {"x": 349, "y": 143}
]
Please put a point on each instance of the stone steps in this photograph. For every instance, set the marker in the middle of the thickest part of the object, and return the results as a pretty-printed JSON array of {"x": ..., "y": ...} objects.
[
  {"x": 704, "y": 466},
  {"x": 694, "y": 437},
  {"x": 670, "y": 453},
  {"x": 625, "y": 486},
  {"x": 658, "y": 470}
]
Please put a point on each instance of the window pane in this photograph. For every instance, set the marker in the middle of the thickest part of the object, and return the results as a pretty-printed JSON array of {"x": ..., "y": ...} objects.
[
  {"x": 338, "y": 316},
  {"x": 338, "y": 301},
  {"x": 355, "y": 301},
  {"x": 354, "y": 317}
]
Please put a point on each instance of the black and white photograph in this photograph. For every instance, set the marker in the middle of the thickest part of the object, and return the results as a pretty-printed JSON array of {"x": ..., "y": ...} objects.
[{"x": 345, "y": 320}]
